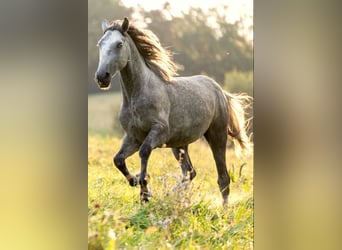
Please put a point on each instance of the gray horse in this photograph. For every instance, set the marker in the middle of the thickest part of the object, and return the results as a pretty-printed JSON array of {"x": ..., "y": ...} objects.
[{"x": 160, "y": 110}]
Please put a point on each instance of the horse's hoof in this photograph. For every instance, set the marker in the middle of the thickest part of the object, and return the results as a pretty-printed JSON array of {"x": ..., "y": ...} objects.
[
  {"x": 192, "y": 174},
  {"x": 185, "y": 179},
  {"x": 145, "y": 197},
  {"x": 133, "y": 181}
]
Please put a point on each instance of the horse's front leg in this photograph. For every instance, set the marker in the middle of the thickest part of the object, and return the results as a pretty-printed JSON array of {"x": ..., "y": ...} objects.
[
  {"x": 129, "y": 146},
  {"x": 156, "y": 137}
]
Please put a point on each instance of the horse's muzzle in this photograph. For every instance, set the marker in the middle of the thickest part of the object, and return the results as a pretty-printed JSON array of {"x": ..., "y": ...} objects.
[
  {"x": 103, "y": 85},
  {"x": 103, "y": 80}
]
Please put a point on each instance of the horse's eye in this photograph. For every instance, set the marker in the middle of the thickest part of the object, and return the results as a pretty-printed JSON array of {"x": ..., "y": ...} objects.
[{"x": 119, "y": 45}]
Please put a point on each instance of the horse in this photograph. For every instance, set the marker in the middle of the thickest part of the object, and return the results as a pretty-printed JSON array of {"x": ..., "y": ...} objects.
[{"x": 161, "y": 109}]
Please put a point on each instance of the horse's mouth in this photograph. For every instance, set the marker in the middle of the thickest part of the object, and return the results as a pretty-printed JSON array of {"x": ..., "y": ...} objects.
[{"x": 103, "y": 85}]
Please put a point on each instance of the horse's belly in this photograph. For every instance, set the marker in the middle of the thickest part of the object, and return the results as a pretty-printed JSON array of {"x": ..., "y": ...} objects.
[
  {"x": 180, "y": 136},
  {"x": 188, "y": 126},
  {"x": 180, "y": 141}
]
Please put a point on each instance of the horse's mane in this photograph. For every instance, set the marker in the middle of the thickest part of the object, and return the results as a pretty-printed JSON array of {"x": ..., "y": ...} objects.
[{"x": 157, "y": 58}]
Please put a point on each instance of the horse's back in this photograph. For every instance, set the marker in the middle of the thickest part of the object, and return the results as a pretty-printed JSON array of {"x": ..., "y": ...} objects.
[
  {"x": 197, "y": 86},
  {"x": 197, "y": 91}
]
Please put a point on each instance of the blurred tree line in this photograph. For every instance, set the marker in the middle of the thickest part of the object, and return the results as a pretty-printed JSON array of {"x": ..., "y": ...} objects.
[{"x": 203, "y": 42}]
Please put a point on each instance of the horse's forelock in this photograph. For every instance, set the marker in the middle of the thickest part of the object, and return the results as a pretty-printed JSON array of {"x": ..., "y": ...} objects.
[{"x": 116, "y": 25}]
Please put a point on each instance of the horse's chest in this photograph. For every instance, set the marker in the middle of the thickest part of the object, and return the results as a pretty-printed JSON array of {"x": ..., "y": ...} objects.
[{"x": 135, "y": 121}]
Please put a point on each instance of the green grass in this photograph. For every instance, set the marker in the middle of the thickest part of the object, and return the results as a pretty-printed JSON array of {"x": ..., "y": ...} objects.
[{"x": 178, "y": 216}]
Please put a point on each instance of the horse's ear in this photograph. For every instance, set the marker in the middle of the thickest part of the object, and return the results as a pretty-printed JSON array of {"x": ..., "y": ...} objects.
[
  {"x": 105, "y": 25},
  {"x": 125, "y": 25}
]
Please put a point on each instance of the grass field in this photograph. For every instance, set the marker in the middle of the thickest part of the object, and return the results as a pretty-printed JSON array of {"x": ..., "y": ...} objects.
[{"x": 178, "y": 216}]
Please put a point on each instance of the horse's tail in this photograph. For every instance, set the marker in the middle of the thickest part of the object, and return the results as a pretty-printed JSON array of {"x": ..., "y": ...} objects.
[{"x": 237, "y": 123}]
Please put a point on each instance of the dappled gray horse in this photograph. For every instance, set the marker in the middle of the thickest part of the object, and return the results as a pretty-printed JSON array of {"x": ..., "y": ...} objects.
[{"x": 160, "y": 110}]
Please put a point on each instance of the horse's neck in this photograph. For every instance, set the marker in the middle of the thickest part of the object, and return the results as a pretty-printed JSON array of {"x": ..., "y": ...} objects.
[{"x": 135, "y": 74}]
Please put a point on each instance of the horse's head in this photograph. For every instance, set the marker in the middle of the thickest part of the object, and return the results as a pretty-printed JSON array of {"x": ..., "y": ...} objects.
[{"x": 114, "y": 52}]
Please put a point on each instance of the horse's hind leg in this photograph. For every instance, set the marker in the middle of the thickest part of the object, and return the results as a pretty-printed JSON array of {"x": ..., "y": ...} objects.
[
  {"x": 217, "y": 139},
  {"x": 182, "y": 156},
  {"x": 129, "y": 146}
]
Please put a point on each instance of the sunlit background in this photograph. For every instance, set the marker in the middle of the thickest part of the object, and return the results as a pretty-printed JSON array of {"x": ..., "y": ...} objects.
[
  {"x": 213, "y": 38},
  {"x": 236, "y": 9}
]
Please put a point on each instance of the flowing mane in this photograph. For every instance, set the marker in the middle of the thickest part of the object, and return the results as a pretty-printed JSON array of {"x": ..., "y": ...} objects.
[{"x": 157, "y": 58}]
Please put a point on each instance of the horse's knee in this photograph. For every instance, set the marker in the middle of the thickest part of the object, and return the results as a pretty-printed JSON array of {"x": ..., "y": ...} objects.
[
  {"x": 119, "y": 160},
  {"x": 145, "y": 151}
]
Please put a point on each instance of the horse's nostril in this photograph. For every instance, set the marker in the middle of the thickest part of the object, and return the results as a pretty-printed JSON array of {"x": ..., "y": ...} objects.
[{"x": 102, "y": 76}]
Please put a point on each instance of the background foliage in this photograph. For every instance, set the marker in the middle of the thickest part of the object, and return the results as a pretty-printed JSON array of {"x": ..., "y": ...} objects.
[{"x": 203, "y": 42}]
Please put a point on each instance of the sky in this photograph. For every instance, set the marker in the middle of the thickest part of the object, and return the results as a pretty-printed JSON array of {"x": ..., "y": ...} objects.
[{"x": 236, "y": 8}]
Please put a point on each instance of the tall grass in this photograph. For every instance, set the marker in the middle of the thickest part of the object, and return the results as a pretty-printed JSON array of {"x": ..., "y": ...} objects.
[{"x": 179, "y": 215}]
